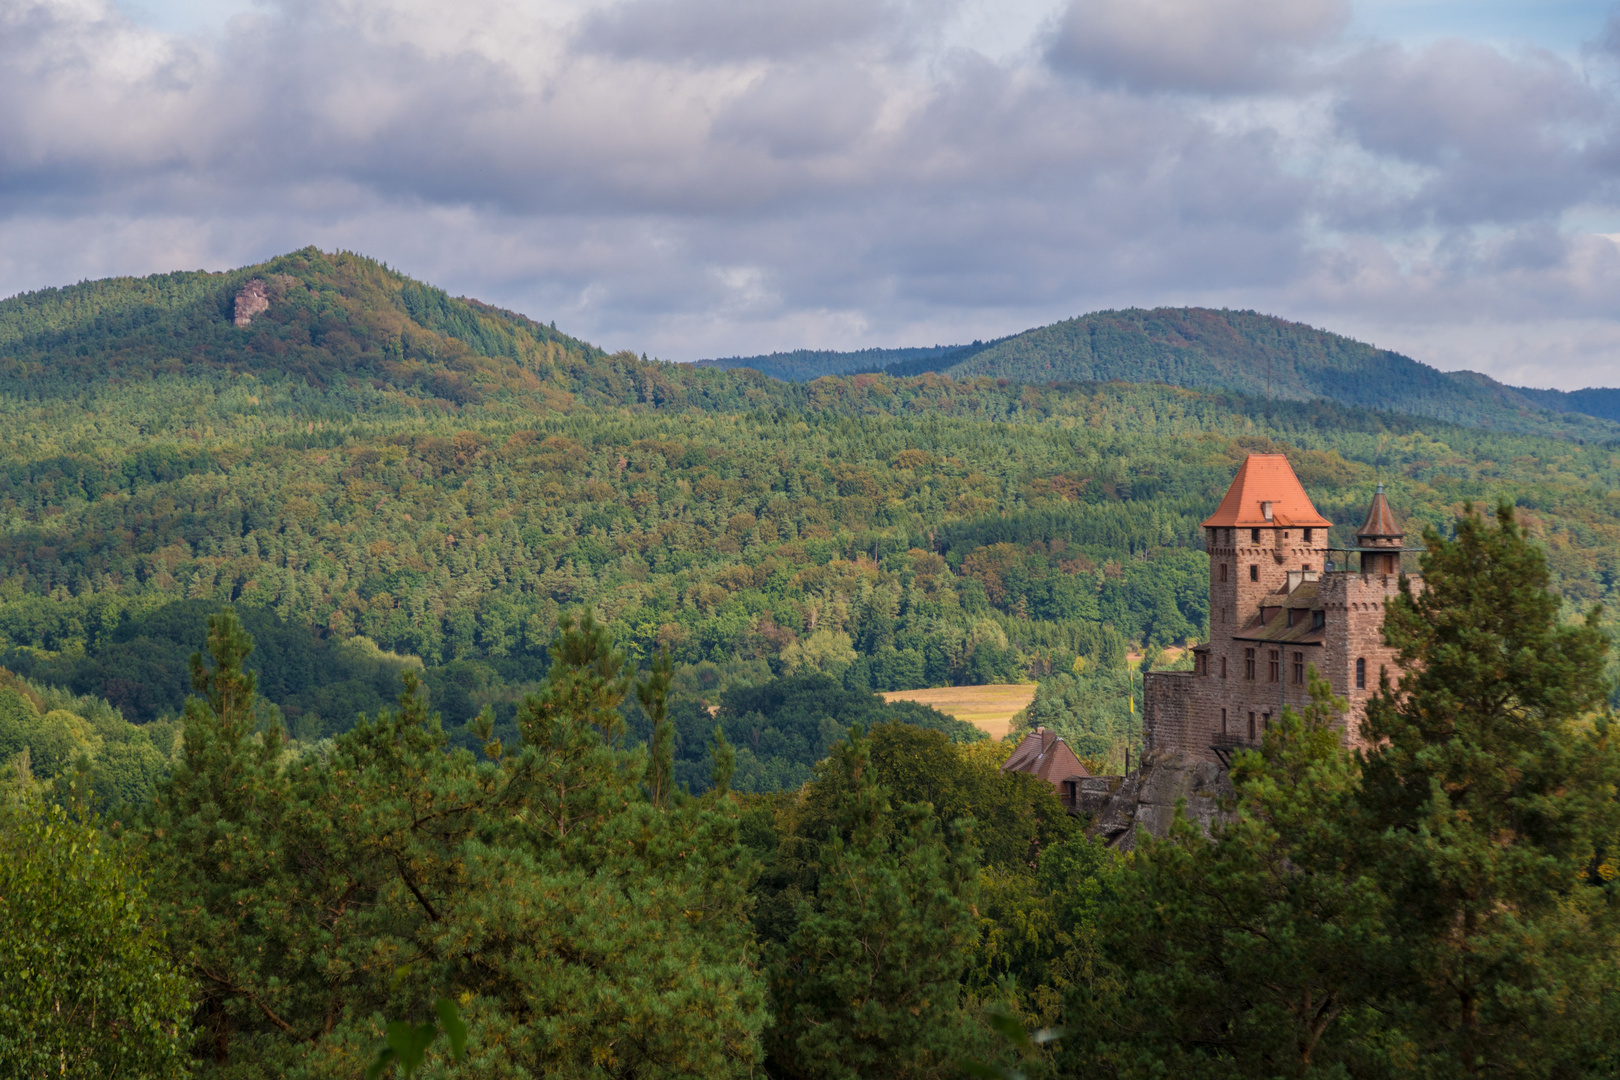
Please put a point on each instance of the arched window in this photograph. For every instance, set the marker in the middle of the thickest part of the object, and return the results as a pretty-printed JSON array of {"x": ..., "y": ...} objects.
[{"x": 1361, "y": 673}]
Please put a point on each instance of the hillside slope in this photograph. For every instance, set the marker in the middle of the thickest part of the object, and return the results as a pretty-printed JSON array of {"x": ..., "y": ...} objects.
[
  {"x": 1242, "y": 351},
  {"x": 332, "y": 321}
]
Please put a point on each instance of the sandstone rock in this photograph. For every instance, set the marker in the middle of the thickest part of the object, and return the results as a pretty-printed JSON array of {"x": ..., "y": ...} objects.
[
  {"x": 251, "y": 301},
  {"x": 1146, "y": 799}
]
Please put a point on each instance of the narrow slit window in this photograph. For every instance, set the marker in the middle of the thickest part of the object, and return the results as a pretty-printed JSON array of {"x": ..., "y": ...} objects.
[
  {"x": 1223, "y": 571},
  {"x": 1251, "y": 725},
  {"x": 1254, "y": 572},
  {"x": 1361, "y": 673},
  {"x": 1223, "y": 721},
  {"x": 1223, "y": 667}
]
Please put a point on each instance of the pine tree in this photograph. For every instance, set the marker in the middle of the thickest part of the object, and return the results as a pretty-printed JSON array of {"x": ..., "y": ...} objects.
[
  {"x": 869, "y": 982},
  {"x": 1490, "y": 787},
  {"x": 653, "y": 696},
  {"x": 211, "y": 839},
  {"x": 1254, "y": 951},
  {"x": 581, "y": 929}
]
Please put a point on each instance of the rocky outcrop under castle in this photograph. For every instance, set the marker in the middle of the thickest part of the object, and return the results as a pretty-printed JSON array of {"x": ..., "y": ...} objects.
[{"x": 1145, "y": 800}]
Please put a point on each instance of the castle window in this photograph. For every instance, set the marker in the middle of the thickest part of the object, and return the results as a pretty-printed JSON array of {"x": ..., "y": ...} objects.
[
  {"x": 1251, "y": 725},
  {"x": 1299, "y": 669},
  {"x": 1254, "y": 536},
  {"x": 1274, "y": 666},
  {"x": 1248, "y": 664},
  {"x": 1293, "y": 615},
  {"x": 1361, "y": 673},
  {"x": 1229, "y": 537},
  {"x": 1254, "y": 572},
  {"x": 1318, "y": 620},
  {"x": 1223, "y": 667},
  {"x": 1223, "y": 571},
  {"x": 1223, "y": 721},
  {"x": 1308, "y": 533}
]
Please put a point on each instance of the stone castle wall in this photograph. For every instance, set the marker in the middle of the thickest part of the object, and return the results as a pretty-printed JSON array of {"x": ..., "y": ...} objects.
[{"x": 1218, "y": 708}]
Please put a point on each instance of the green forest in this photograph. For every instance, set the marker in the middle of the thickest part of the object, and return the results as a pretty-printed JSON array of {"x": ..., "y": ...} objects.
[{"x": 658, "y": 601}]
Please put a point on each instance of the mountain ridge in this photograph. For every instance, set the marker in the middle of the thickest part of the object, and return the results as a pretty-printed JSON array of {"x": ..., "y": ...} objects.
[{"x": 1233, "y": 350}]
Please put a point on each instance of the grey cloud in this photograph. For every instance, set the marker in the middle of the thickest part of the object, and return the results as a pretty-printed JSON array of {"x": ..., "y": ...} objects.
[
  {"x": 1500, "y": 138},
  {"x": 709, "y": 31},
  {"x": 817, "y": 175},
  {"x": 1209, "y": 46}
]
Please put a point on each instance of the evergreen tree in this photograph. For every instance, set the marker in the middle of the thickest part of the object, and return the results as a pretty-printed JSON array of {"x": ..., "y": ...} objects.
[
  {"x": 869, "y": 982},
  {"x": 582, "y": 930},
  {"x": 1254, "y": 951},
  {"x": 212, "y": 836},
  {"x": 1490, "y": 787}
]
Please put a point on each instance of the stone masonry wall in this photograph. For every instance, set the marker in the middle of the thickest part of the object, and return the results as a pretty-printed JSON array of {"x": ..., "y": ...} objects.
[{"x": 1183, "y": 712}]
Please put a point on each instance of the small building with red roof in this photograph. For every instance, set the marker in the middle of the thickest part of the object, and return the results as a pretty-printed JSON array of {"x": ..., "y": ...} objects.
[{"x": 1044, "y": 754}]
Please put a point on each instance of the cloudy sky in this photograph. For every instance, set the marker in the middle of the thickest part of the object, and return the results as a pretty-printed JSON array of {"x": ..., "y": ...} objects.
[{"x": 693, "y": 178}]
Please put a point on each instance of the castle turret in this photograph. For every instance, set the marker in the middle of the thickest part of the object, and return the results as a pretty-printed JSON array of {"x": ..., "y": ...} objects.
[{"x": 1380, "y": 531}]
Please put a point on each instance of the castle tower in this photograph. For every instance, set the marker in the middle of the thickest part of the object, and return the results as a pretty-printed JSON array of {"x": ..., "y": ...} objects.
[{"x": 1277, "y": 610}]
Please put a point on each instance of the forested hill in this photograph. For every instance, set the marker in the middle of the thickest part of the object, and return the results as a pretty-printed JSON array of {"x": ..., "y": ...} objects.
[
  {"x": 1241, "y": 351},
  {"x": 334, "y": 321}
]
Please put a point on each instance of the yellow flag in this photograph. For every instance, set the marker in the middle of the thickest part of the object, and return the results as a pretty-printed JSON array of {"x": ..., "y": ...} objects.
[{"x": 1131, "y": 702}]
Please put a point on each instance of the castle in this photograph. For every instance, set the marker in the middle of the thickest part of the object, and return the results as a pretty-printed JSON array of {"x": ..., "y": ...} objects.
[{"x": 1281, "y": 600}]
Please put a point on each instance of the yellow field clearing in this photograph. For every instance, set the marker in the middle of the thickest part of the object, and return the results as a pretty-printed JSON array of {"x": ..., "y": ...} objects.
[{"x": 988, "y": 708}]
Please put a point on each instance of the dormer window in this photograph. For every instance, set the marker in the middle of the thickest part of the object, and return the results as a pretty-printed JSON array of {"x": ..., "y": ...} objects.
[
  {"x": 1318, "y": 620},
  {"x": 1265, "y": 510}
]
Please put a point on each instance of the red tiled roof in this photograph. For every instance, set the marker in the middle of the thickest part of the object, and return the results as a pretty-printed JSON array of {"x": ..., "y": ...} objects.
[
  {"x": 1266, "y": 478},
  {"x": 1380, "y": 523},
  {"x": 1042, "y": 753}
]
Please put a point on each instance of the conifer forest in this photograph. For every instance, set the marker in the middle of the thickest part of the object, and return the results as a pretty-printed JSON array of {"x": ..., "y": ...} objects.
[{"x": 393, "y": 684}]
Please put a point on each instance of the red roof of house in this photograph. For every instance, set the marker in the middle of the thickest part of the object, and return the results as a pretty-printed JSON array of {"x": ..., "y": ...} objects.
[
  {"x": 1266, "y": 479},
  {"x": 1044, "y": 754}
]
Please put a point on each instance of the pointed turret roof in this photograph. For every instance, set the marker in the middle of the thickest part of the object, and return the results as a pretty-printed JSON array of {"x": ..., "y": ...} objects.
[
  {"x": 1266, "y": 482},
  {"x": 1380, "y": 523}
]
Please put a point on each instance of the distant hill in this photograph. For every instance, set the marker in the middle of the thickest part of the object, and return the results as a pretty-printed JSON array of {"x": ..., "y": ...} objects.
[
  {"x": 802, "y": 365},
  {"x": 1242, "y": 351},
  {"x": 323, "y": 317}
]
